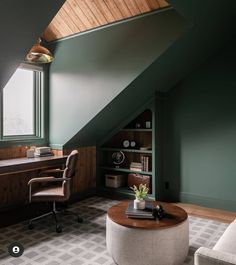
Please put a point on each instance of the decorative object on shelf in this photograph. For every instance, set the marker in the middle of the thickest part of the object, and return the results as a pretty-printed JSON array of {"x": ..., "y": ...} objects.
[
  {"x": 118, "y": 158},
  {"x": 115, "y": 181},
  {"x": 137, "y": 125},
  {"x": 158, "y": 212},
  {"x": 39, "y": 54},
  {"x": 148, "y": 125},
  {"x": 126, "y": 143},
  {"x": 133, "y": 144},
  {"x": 145, "y": 148},
  {"x": 140, "y": 194},
  {"x": 136, "y": 166},
  {"x": 30, "y": 153},
  {"x": 137, "y": 179}
]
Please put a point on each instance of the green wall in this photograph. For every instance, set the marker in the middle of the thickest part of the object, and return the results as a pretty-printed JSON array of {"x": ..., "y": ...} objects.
[
  {"x": 209, "y": 30},
  {"x": 200, "y": 142},
  {"x": 91, "y": 69}
]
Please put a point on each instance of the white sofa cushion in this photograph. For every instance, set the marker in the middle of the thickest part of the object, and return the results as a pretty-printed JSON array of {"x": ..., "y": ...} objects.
[
  {"x": 227, "y": 242},
  {"x": 206, "y": 256}
]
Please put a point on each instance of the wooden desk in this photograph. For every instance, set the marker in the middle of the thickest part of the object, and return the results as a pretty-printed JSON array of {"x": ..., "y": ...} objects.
[{"x": 15, "y": 174}]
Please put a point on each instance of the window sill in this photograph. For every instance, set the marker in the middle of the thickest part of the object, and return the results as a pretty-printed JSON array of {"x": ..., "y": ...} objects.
[{"x": 23, "y": 142}]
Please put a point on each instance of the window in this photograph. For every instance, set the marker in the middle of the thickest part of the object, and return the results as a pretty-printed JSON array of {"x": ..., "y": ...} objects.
[{"x": 22, "y": 105}]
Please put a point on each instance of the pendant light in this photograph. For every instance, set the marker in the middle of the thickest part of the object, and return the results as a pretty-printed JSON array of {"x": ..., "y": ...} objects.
[{"x": 39, "y": 54}]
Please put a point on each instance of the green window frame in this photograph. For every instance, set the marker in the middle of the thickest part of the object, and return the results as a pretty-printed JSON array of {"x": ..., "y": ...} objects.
[{"x": 40, "y": 110}]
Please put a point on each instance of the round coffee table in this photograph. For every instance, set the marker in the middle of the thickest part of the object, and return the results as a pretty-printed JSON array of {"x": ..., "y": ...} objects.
[{"x": 147, "y": 242}]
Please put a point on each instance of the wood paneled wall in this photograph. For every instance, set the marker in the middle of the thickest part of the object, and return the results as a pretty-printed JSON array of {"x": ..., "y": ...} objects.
[
  {"x": 85, "y": 177},
  {"x": 13, "y": 152},
  {"x": 14, "y": 188},
  {"x": 57, "y": 152}
]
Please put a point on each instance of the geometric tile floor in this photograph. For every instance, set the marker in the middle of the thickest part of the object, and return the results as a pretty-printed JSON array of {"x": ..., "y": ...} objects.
[{"x": 84, "y": 244}]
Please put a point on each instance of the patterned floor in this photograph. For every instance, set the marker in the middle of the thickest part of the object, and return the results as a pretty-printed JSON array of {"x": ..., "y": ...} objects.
[{"x": 84, "y": 244}]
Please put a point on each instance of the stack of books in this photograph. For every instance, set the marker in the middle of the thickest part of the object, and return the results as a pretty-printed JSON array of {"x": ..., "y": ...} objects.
[
  {"x": 147, "y": 213},
  {"x": 146, "y": 163},
  {"x": 136, "y": 166},
  {"x": 43, "y": 151}
]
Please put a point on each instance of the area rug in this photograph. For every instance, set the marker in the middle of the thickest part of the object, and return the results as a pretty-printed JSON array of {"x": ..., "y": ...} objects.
[{"x": 84, "y": 244}]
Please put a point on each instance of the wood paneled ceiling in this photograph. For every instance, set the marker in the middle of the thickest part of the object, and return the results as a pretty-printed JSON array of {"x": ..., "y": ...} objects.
[{"x": 80, "y": 15}]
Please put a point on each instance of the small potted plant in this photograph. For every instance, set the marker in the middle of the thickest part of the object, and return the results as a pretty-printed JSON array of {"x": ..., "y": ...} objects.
[{"x": 140, "y": 193}]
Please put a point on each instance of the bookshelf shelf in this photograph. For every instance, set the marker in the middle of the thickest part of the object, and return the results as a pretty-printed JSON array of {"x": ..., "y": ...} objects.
[
  {"x": 136, "y": 130},
  {"x": 124, "y": 191},
  {"x": 134, "y": 158},
  {"x": 126, "y": 170},
  {"x": 127, "y": 150}
]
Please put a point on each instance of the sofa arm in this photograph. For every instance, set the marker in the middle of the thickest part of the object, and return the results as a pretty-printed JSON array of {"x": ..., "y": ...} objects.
[{"x": 206, "y": 256}]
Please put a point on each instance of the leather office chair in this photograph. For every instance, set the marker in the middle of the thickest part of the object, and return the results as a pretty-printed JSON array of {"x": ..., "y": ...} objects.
[{"x": 56, "y": 190}]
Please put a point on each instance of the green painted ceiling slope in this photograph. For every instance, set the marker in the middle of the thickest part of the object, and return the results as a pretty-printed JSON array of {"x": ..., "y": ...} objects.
[
  {"x": 21, "y": 23},
  {"x": 212, "y": 26},
  {"x": 92, "y": 69}
]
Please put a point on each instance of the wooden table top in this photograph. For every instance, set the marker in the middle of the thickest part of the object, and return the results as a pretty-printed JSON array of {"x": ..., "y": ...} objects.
[
  {"x": 24, "y": 163},
  {"x": 174, "y": 215}
]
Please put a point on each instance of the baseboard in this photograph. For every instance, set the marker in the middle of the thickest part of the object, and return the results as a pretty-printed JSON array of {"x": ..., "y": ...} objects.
[{"x": 208, "y": 201}]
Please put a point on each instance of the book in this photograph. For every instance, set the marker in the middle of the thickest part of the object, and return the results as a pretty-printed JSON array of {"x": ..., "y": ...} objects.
[
  {"x": 135, "y": 169},
  {"x": 43, "y": 150},
  {"x": 146, "y": 163},
  {"x": 146, "y": 213},
  {"x": 42, "y": 155},
  {"x": 136, "y": 166}
]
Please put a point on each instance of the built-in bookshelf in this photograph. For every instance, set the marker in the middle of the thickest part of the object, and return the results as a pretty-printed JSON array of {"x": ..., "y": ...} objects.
[{"x": 134, "y": 142}]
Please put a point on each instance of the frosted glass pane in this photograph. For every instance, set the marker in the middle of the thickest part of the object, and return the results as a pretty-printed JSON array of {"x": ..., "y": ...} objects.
[{"x": 18, "y": 102}]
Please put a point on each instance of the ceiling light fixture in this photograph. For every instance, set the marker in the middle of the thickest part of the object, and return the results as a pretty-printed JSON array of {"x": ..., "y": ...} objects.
[{"x": 39, "y": 54}]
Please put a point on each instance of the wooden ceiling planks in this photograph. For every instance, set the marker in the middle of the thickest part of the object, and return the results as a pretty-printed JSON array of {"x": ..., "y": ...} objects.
[{"x": 80, "y": 15}]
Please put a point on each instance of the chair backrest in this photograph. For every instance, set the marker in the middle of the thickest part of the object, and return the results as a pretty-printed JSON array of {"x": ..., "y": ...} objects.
[
  {"x": 71, "y": 161},
  {"x": 69, "y": 172}
]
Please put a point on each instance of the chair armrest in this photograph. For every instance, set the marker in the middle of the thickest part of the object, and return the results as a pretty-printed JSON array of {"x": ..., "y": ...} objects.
[
  {"x": 46, "y": 179},
  {"x": 206, "y": 256},
  {"x": 40, "y": 180}
]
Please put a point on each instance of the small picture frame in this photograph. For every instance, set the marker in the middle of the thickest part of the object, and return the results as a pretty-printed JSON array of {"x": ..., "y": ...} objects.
[{"x": 148, "y": 125}]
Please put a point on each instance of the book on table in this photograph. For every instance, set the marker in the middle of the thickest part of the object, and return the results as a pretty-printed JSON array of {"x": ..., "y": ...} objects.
[{"x": 146, "y": 213}]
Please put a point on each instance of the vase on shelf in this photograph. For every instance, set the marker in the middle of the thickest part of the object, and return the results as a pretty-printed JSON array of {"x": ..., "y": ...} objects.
[{"x": 139, "y": 204}]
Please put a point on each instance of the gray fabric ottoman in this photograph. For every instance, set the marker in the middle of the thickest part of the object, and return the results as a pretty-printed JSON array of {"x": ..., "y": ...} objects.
[{"x": 135, "y": 246}]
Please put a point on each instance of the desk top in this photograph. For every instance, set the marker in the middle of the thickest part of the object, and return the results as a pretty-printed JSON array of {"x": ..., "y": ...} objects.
[
  {"x": 12, "y": 165},
  {"x": 174, "y": 216}
]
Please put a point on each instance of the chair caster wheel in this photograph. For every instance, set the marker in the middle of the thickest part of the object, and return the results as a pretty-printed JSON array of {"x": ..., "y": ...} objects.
[
  {"x": 58, "y": 229},
  {"x": 30, "y": 226},
  {"x": 80, "y": 220}
]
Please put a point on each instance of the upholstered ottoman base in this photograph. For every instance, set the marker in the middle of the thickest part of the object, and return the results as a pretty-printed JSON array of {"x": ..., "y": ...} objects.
[{"x": 135, "y": 246}]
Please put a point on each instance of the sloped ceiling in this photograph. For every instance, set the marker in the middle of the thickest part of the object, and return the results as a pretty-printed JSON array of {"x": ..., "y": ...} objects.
[
  {"x": 80, "y": 15},
  {"x": 212, "y": 27},
  {"x": 91, "y": 69},
  {"x": 21, "y": 23}
]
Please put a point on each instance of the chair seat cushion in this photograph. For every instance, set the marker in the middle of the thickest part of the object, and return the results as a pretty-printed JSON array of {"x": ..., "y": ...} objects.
[{"x": 51, "y": 193}]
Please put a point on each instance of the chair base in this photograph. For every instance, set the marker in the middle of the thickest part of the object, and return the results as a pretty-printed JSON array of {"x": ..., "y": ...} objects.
[{"x": 55, "y": 214}]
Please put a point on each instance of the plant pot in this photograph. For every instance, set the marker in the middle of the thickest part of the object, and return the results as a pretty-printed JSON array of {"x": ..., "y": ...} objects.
[{"x": 139, "y": 204}]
